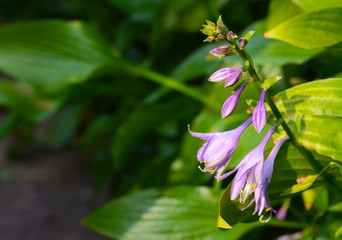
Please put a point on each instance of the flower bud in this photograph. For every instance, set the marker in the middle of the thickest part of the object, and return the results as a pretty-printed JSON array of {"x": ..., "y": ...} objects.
[
  {"x": 219, "y": 38},
  {"x": 221, "y": 51},
  {"x": 231, "y": 36},
  {"x": 209, "y": 39},
  {"x": 242, "y": 42},
  {"x": 259, "y": 113},
  {"x": 230, "y": 104}
]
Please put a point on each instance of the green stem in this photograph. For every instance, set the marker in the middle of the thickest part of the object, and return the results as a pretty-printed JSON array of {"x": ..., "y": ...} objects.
[
  {"x": 142, "y": 71},
  {"x": 306, "y": 153}
]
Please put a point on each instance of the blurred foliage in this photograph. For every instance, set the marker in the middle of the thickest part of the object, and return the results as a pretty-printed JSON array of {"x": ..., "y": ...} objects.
[{"x": 121, "y": 80}]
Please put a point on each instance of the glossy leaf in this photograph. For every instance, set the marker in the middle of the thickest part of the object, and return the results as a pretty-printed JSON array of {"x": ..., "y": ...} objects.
[
  {"x": 314, "y": 5},
  {"x": 58, "y": 54},
  {"x": 312, "y": 30},
  {"x": 313, "y": 110},
  {"x": 175, "y": 213}
]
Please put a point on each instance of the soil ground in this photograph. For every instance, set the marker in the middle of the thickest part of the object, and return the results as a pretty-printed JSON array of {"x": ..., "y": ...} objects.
[{"x": 46, "y": 197}]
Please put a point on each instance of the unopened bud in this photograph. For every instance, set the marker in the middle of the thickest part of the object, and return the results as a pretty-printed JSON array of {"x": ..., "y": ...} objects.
[
  {"x": 231, "y": 36},
  {"x": 219, "y": 38},
  {"x": 209, "y": 39},
  {"x": 242, "y": 42}
]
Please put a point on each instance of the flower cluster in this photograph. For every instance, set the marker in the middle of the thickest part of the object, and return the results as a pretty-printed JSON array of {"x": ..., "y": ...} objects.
[{"x": 253, "y": 173}]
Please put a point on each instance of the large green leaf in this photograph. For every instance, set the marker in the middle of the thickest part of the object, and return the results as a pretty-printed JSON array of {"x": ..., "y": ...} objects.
[
  {"x": 175, "y": 213},
  {"x": 313, "y": 5},
  {"x": 313, "y": 111},
  {"x": 312, "y": 30},
  {"x": 52, "y": 54},
  {"x": 280, "y": 11}
]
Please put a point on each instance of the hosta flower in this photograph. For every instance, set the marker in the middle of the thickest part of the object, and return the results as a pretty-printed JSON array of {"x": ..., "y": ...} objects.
[
  {"x": 230, "y": 104},
  {"x": 230, "y": 74},
  {"x": 249, "y": 171},
  {"x": 219, "y": 148},
  {"x": 259, "y": 113},
  {"x": 220, "y": 51},
  {"x": 261, "y": 200}
]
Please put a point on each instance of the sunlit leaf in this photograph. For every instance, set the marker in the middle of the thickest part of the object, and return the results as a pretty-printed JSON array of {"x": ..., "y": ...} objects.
[
  {"x": 313, "y": 111},
  {"x": 312, "y": 30},
  {"x": 313, "y": 5},
  {"x": 280, "y": 11}
]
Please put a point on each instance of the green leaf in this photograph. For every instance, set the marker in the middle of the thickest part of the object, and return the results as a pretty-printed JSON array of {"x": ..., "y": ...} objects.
[
  {"x": 314, "y": 5},
  {"x": 306, "y": 182},
  {"x": 59, "y": 133},
  {"x": 230, "y": 211},
  {"x": 311, "y": 30},
  {"x": 59, "y": 53},
  {"x": 290, "y": 166},
  {"x": 175, "y": 213},
  {"x": 313, "y": 111},
  {"x": 270, "y": 81},
  {"x": 144, "y": 120},
  {"x": 23, "y": 101},
  {"x": 249, "y": 35},
  {"x": 280, "y": 11},
  {"x": 266, "y": 51}
]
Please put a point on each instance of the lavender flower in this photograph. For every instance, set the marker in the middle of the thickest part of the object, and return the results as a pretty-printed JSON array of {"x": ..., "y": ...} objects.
[
  {"x": 219, "y": 148},
  {"x": 221, "y": 51},
  {"x": 231, "y": 103},
  {"x": 259, "y": 113},
  {"x": 260, "y": 194},
  {"x": 230, "y": 74},
  {"x": 249, "y": 172}
]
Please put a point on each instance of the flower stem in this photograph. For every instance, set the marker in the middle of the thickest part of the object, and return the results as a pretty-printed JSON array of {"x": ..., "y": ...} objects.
[
  {"x": 153, "y": 76},
  {"x": 306, "y": 153}
]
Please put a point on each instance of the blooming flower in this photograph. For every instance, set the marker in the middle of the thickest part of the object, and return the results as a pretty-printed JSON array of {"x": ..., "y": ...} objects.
[
  {"x": 219, "y": 148},
  {"x": 249, "y": 172},
  {"x": 259, "y": 113},
  {"x": 261, "y": 199},
  {"x": 220, "y": 51},
  {"x": 230, "y": 104},
  {"x": 230, "y": 74}
]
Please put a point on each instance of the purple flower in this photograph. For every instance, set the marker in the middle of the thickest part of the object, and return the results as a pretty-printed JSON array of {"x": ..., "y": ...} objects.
[
  {"x": 249, "y": 172},
  {"x": 231, "y": 103},
  {"x": 259, "y": 113},
  {"x": 243, "y": 42},
  {"x": 220, "y": 51},
  {"x": 261, "y": 199},
  {"x": 219, "y": 148},
  {"x": 230, "y": 74}
]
